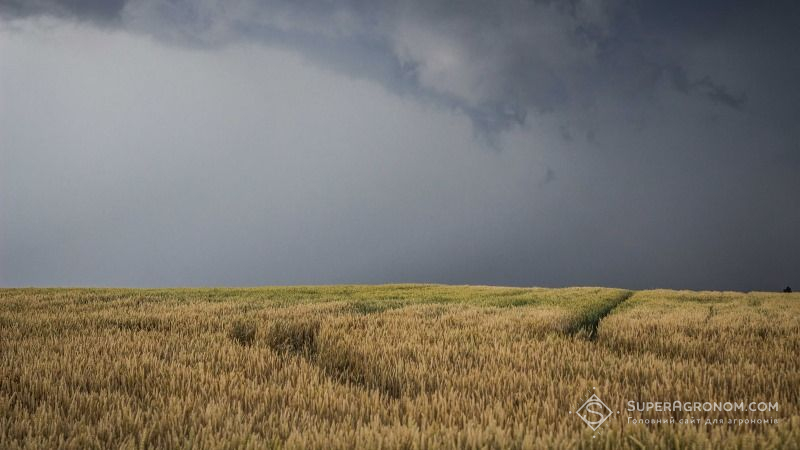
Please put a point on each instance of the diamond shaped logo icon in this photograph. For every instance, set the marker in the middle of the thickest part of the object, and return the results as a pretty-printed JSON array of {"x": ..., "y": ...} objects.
[{"x": 594, "y": 412}]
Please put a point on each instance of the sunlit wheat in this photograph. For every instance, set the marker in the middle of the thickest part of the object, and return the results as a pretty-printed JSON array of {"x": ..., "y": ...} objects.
[{"x": 401, "y": 366}]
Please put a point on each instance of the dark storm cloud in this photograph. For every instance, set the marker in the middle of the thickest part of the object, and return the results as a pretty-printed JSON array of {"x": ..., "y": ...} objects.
[
  {"x": 175, "y": 142},
  {"x": 496, "y": 62},
  {"x": 95, "y": 10},
  {"x": 704, "y": 86}
]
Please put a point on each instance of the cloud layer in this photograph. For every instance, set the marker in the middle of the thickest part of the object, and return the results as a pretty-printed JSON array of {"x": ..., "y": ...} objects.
[
  {"x": 494, "y": 61},
  {"x": 155, "y": 142}
]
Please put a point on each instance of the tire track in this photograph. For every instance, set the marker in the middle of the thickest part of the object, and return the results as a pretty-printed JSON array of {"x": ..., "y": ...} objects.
[{"x": 589, "y": 324}]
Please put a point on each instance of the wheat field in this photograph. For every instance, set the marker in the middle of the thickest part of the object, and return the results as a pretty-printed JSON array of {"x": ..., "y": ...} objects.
[{"x": 394, "y": 366}]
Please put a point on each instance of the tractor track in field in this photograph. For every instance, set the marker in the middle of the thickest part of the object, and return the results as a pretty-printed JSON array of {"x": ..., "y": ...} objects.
[{"x": 590, "y": 324}]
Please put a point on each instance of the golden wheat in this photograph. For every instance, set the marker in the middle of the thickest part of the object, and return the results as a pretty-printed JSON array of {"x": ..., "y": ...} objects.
[{"x": 398, "y": 366}]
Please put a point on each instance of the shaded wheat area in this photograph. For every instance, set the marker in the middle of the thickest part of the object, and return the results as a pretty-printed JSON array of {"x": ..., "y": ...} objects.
[{"x": 400, "y": 366}]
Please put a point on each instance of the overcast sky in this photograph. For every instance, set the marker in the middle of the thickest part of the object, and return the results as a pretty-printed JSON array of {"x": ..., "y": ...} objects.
[{"x": 619, "y": 143}]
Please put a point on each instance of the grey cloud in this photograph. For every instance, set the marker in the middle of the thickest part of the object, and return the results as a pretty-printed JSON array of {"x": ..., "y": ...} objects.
[
  {"x": 720, "y": 94},
  {"x": 94, "y": 10},
  {"x": 496, "y": 62},
  {"x": 644, "y": 144},
  {"x": 549, "y": 176},
  {"x": 704, "y": 86},
  {"x": 494, "y": 80}
]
